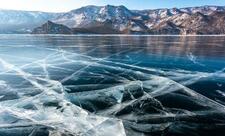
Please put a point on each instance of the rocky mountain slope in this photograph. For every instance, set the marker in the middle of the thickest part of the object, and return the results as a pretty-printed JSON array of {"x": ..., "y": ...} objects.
[
  {"x": 52, "y": 28},
  {"x": 120, "y": 20},
  {"x": 196, "y": 23}
]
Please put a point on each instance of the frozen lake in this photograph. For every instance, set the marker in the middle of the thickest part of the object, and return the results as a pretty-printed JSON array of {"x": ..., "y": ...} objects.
[{"x": 112, "y": 85}]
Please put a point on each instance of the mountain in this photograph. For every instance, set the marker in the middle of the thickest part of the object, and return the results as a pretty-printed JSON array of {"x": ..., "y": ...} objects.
[
  {"x": 120, "y": 20},
  {"x": 196, "y": 23},
  {"x": 15, "y": 21},
  {"x": 112, "y": 18},
  {"x": 205, "y": 24}
]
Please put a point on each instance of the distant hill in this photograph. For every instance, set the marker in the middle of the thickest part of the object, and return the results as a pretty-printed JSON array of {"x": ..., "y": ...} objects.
[
  {"x": 15, "y": 21},
  {"x": 52, "y": 28}
]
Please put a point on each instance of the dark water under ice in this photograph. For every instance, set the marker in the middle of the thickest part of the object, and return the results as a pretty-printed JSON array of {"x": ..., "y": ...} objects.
[{"x": 112, "y": 85}]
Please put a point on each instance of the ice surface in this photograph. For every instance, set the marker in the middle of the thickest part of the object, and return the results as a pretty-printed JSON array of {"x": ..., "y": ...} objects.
[
  {"x": 37, "y": 100},
  {"x": 52, "y": 91}
]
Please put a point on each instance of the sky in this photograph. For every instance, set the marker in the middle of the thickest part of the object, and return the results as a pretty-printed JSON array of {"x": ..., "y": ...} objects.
[{"x": 67, "y": 5}]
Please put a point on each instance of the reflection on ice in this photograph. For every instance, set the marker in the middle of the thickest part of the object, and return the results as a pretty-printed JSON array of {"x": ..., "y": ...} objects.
[{"x": 68, "y": 93}]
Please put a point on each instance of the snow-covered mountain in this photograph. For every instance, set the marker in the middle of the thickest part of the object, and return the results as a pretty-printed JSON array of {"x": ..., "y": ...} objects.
[
  {"x": 118, "y": 19},
  {"x": 85, "y": 16},
  {"x": 206, "y": 10},
  {"x": 122, "y": 20},
  {"x": 12, "y": 21}
]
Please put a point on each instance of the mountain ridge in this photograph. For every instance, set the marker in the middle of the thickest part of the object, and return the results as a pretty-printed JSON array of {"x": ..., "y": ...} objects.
[{"x": 120, "y": 20}]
